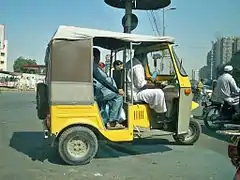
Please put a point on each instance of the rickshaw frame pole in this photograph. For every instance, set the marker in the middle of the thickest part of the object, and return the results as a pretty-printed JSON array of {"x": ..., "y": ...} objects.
[
  {"x": 127, "y": 29},
  {"x": 128, "y": 14}
]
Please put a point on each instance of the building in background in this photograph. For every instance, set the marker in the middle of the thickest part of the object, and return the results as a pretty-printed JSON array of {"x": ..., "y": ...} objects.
[
  {"x": 223, "y": 49},
  {"x": 195, "y": 75},
  {"x": 3, "y": 49},
  {"x": 236, "y": 45},
  {"x": 204, "y": 72},
  {"x": 226, "y": 50}
]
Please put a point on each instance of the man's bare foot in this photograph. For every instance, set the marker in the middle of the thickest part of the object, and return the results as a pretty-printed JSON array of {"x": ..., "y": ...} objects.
[{"x": 115, "y": 125}]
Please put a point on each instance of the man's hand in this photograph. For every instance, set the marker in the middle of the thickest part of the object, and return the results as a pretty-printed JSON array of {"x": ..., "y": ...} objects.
[{"x": 121, "y": 92}]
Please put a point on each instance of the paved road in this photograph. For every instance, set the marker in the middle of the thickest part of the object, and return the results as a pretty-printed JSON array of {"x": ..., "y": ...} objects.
[{"x": 25, "y": 155}]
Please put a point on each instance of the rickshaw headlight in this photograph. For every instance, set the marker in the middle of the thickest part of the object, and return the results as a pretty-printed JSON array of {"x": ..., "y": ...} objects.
[{"x": 188, "y": 91}]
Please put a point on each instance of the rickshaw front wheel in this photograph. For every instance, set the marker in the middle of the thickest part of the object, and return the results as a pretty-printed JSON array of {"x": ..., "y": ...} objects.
[
  {"x": 77, "y": 145},
  {"x": 194, "y": 132}
]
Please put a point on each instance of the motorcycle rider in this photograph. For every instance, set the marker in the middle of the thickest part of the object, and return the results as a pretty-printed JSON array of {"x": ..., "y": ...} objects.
[
  {"x": 226, "y": 89},
  {"x": 214, "y": 98}
]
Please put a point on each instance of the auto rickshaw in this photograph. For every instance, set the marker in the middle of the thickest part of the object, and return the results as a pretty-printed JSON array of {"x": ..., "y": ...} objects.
[{"x": 66, "y": 103}]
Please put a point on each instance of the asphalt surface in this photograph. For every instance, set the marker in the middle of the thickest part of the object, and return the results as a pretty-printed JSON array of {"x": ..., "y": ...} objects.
[{"x": 25, "y": 154}]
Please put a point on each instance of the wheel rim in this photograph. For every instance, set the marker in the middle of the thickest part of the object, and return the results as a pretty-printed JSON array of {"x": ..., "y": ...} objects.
[
  {"x": 190, "y": 135},
  {"x": 77, "y": 148}
]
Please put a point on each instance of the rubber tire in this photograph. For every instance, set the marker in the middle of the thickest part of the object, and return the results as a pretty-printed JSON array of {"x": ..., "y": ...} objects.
[
  {"x": 87, "y": 135},
  {"x": 197, "y": 130},
  {"x": 42, "y": 105},
  {"x": 205, "y": 121}
]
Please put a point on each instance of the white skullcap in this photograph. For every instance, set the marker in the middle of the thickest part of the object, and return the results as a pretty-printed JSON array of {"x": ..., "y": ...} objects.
[{"x": 228, "y": 68}]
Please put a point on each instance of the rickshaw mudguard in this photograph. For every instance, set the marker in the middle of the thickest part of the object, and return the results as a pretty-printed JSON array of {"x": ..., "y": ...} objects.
[
  {"x": 194, "y": 105},
  {"x": 184, "y": 112},
  {"x": 63, "y": 117}
]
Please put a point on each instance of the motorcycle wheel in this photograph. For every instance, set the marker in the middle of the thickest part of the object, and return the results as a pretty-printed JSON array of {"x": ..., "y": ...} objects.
[{"x": 210, "y": 118}]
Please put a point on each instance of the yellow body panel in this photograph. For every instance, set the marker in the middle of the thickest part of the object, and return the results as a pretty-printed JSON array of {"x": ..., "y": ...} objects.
[
  {"x": 140, "y": 115},
  {"x": 194, "y": 105},
  {"x": 63, "y": 116}
]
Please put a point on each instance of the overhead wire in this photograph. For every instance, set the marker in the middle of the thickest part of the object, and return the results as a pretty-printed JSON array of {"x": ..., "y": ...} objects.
[
  {"x": 154, "y": 21},
  {"x": 149, "y": 18}
]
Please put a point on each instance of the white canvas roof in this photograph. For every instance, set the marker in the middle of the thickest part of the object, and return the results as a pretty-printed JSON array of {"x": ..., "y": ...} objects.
[{"x": 77, "y": 33}]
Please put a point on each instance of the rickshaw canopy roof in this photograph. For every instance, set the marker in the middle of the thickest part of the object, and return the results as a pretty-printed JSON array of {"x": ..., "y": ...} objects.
[{"x": 106, "y": 39}]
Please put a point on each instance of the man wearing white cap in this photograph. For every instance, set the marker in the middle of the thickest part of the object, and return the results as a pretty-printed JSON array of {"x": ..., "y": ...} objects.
[{"x": 227, "y": 89}]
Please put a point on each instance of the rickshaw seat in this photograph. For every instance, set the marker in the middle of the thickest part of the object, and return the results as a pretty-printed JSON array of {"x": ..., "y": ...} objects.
[{"x": 139, "y": 102}]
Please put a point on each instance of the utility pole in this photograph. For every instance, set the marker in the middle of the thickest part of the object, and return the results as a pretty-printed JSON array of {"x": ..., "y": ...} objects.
[
  {"x": 211, "y": 63},
  {"x": 163, "y": 16},
  {"x": 128, "y": 14},
  {"x": 163, "y": 21}
]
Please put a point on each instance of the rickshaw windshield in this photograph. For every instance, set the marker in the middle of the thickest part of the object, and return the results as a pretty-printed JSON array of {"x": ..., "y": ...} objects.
[
  {"x": 179, "y": 63},
  {"x": 160, "y": 62}
]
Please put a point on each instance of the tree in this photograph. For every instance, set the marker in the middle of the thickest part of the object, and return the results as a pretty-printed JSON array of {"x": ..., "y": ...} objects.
[{"x": 20, "y": 62}]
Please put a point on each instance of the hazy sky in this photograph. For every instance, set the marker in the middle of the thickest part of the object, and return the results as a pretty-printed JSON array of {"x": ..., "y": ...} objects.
[{"x": 195, "y": 23}]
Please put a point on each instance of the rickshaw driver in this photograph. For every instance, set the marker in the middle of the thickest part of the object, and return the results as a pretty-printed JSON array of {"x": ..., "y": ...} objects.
[
  {"x": 142, "y": 91},
  {"x": 109, "y": 93}
]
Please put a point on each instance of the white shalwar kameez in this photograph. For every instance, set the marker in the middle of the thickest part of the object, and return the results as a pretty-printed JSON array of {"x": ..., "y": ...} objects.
[
  {"x": 154, "y": 97},
  {"x": 227, "y": 89}
]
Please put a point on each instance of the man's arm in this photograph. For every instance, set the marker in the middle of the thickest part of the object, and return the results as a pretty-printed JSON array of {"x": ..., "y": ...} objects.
[
  {"x": 97, "y": 74},
  {"x": 139, "y": 76},
  {"x": 234, "y": 88}
]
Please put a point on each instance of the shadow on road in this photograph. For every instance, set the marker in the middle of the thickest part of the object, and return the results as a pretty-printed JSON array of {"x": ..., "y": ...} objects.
[
  {"x": 213, "y": 134},
  {"x": 33, "y": 145},
  {"x": 137, "y": 147}
]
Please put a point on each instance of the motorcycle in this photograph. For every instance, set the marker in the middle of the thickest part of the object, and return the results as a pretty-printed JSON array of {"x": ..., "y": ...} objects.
[
  {"x": 207, "y": 105},
  {"x": 210, "y": 107},
  {"x": 234, "y": 150},
  {"x": 224, "y": 116}
]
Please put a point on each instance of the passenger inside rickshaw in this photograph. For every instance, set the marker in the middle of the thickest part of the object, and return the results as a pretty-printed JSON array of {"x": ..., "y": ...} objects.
[
  {"x": 108, "y": 96},
  {"x": 164, "y": 83}
]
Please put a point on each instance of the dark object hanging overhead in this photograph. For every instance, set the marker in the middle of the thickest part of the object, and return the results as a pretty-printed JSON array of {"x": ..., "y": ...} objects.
[{"x": 140, "y": 4}]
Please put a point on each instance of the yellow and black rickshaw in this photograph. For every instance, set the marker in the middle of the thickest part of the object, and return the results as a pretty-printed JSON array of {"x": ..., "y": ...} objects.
[{"x": 66, "y": 103}]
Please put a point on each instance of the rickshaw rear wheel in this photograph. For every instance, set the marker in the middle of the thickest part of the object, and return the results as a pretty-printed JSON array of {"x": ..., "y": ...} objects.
[
  {"x": 194, "y": 132},
  {"x": 77, "y": 145}
]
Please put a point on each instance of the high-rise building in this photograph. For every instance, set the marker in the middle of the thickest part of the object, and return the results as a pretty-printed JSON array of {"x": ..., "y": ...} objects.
[
  {"x": 227, "y": 49},
  {"x": 204, "y": 72},
  {"x": 3, "y": 49},
  {"x": 195, "y": 74},
  {"x": 2, "y": 36},
  {"x": 217, "y": 53},
  {"x": 209, "y": 58},
  {"x": 223, "y": 49},
  {"x": 236, "y": 45}
]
